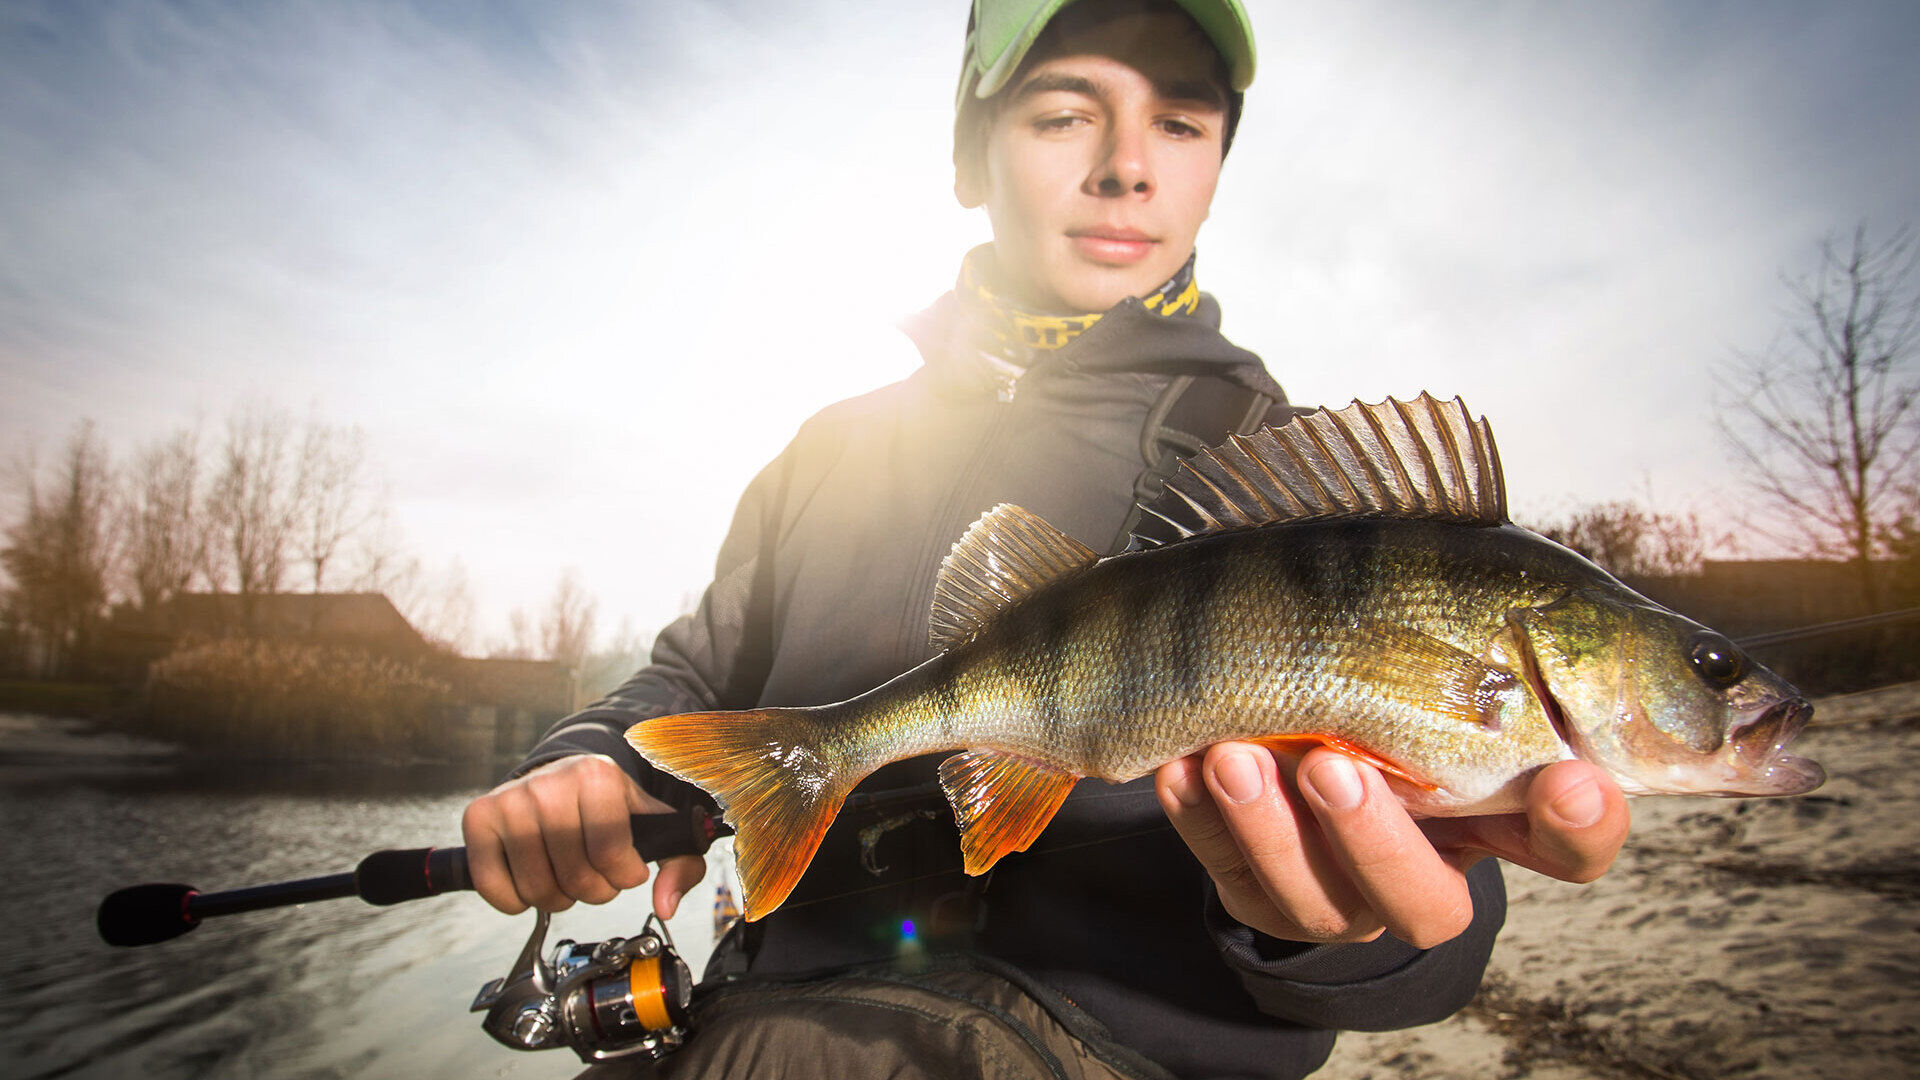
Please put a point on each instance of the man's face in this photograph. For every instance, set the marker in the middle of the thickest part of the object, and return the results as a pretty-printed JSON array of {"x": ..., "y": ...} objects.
[{"x": 1101, "y": 162}]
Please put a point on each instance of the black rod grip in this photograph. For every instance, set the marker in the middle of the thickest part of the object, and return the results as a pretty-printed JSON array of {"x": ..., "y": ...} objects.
[
  {"x": 389, "y": 877},
  {"x": 392, "y": 877},
  {"x": 148, "y": 914},
  {"x": 145, "y": 914}
]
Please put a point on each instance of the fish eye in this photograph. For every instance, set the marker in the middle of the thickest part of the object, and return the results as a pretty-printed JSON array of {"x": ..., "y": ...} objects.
[{"x": 1717, "y": 660}]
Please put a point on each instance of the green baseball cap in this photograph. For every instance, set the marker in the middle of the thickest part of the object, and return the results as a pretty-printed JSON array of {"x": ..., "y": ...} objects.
[{"x": 1001, "y": 31}]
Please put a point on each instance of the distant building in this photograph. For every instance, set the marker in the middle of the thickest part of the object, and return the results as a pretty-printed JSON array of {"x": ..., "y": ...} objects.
[
  {"x": 527, "y": 696},
  {"x": 1748, "y": 598},
  {"x": 356, "y": 620},
  {"x": 1756, "y": 596}
]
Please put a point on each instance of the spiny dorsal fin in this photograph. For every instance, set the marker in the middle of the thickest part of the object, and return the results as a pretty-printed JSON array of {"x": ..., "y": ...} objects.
[
  {"x": 1002, "y": 559},
  {"x": 1404, "y": 459}
]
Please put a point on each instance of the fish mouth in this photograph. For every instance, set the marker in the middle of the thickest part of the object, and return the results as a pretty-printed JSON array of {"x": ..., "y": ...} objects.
[{"x": 1759, "y": 758}]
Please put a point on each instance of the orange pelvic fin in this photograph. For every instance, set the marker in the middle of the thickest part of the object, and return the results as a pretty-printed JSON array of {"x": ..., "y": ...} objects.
[
  {"x": 1001, "y": 801},
  {"x": 771, "y": 777},
  {"x": 1301, "y": 742}
]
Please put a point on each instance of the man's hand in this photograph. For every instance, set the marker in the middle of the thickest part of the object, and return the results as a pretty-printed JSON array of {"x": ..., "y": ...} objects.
[
  {"x": 561, "y": 833},
  {"x": 1321, "y": 850}
]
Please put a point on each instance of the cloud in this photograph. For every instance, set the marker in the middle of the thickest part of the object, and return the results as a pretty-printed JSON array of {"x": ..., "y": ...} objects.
[
  {"x": 580, "y": 268},
  {"x": 1568, "y": 214}
]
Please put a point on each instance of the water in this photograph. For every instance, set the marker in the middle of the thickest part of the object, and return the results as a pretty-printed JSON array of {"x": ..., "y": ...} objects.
[{"x": 333, "y": 989}]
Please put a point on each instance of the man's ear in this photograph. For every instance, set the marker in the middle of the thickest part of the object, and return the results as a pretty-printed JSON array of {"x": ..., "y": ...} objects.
[{"x": 969, "y": 186}]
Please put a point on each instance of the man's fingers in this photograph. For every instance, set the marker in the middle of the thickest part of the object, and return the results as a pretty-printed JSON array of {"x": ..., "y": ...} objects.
[
  {"x": 1578, "y": 818},
  {"x": 1409, "y": 886},
  {"x": 525, "y": 846},
  {"x": 487, "y": 858},
  {"x": 1287, "y": 858},
  {"x": 1245, "y": 827},
  {"x": 563, "y": 834},
  {"x": 1574, "y": 824},
  {"x": 1191, "y": 808},
  {"x": 607, "y": 831}
]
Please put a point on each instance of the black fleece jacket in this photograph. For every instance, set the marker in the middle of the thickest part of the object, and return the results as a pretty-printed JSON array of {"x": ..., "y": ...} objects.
[{"x": 822, "y": 591}]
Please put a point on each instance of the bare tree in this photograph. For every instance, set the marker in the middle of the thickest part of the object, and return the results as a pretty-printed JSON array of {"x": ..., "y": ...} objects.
[
  {"x": 58, "y": 555},
  {"x": 1903, "y": 550},
  {"x": 440, "y": 606},
  {"x": 1825, "y": 427},
  {"x": 334, "y": 502},
  {"x": 378, "y": 559},
  {"x": 163, "y": 530},
  {"x": 566, "y": 628},
  {"x": 1631, "y": 540},
  {"x": 519, "y": 643},
  {"x": 252, "y": 509},
  {"x": 606, "y": 668}
]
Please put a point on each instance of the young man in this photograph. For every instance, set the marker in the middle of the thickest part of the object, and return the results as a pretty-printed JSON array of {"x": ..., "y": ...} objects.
[{"x": 1288, "y": 900}]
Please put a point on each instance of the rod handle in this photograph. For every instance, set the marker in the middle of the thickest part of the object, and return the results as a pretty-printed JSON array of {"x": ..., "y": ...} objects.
[{"x": 392, "y": 877}]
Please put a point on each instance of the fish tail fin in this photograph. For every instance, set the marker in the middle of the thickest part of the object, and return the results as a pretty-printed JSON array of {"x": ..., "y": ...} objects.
[{"x": 774, "y": 778}]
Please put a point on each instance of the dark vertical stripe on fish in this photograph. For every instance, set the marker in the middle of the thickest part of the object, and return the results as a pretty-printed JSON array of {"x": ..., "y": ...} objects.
[
  {"x": 1193, "y": 621},
  {"x": 1056, "y": 641}
]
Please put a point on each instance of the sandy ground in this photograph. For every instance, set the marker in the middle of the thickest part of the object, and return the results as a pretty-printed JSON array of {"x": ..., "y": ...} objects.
[{"x": 1739, "y": 938}]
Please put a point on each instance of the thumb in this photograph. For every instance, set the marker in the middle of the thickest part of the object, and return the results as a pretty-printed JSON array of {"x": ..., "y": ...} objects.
[{"x": 671, "y": 882}]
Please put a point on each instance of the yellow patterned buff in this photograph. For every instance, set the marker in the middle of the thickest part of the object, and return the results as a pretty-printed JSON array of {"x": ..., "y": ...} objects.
[{"x": 1020, "y": 333}]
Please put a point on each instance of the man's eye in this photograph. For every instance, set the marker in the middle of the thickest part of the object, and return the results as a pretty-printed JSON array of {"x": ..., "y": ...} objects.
[
  {"x": 1055, "y": 123},
  {"x": 1179, "y": 128}
]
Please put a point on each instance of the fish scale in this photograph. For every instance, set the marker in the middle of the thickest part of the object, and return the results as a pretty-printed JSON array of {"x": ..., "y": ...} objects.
[{"x": 1395, "y": 615}]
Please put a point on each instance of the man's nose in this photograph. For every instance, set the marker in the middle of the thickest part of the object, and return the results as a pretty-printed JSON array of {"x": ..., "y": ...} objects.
[{"x": 1124, "y": 166}]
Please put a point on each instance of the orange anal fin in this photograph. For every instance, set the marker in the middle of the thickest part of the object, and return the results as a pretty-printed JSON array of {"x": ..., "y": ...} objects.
[
  {"x": 1001, "y": 801},
  {"x": 1301, "y": 742}
]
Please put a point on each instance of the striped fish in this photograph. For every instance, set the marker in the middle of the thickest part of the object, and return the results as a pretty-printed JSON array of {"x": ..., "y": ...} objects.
[{"x": 1349, "y": 579}]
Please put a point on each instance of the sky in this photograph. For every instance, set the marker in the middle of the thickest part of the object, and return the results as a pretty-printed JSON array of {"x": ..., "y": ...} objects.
[{"x": 580, "y": 269}]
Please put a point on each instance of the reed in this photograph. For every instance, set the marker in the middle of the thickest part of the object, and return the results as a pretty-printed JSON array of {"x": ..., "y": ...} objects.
[{"x": 280, "y": 698}]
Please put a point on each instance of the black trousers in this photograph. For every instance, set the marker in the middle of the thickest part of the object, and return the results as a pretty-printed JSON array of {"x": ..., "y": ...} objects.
[{"x": 959, "y": 1020}]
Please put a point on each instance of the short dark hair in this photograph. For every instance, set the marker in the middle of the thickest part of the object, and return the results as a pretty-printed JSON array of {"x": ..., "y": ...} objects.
[{"x": 975, "y": 115}]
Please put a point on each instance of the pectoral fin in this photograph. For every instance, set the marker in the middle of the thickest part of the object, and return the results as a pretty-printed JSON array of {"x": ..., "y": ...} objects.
[{"x": 1001, "y": 801}]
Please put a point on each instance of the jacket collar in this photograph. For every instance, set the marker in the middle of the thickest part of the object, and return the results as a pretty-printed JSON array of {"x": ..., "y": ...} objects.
[{"x": 1130, "y": 339}]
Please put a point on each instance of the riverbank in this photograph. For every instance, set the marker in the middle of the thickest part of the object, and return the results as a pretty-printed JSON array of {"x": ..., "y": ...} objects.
[
  {"x": 29, "y": 738},
  {"x": 1777, "y": 939},
  {"x": 91, "y": 701}
]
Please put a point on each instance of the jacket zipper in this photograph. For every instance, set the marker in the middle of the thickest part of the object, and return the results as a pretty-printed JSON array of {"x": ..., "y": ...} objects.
[{"x": 920, "y": 598}]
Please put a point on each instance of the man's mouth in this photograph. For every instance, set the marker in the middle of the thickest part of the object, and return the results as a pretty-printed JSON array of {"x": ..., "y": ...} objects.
[{"x": 1109, "y": 244}]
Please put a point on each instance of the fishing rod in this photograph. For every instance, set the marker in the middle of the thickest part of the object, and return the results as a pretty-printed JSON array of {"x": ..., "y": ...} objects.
[
  {"x": 156, "y": 912},
  {"x": 603, "y": 1000}
]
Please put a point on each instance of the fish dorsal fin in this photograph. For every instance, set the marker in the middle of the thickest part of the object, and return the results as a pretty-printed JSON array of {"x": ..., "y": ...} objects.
[
  {"x": 1404, "y": 459},
  {"x": 1003, "y": 558}
]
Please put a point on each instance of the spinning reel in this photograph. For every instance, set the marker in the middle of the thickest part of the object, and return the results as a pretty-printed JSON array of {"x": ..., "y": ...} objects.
[{"x": 603, "y": 1000}]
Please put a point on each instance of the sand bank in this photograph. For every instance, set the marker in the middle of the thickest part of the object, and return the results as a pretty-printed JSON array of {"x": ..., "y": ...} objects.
[{"x": 1735, "y": 938}]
